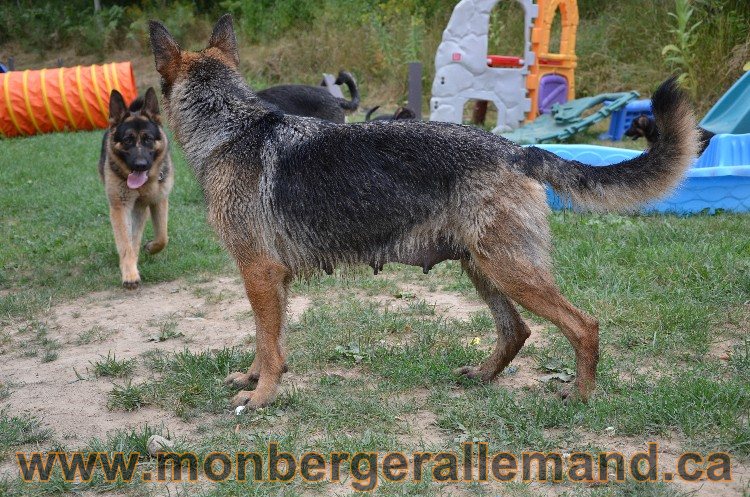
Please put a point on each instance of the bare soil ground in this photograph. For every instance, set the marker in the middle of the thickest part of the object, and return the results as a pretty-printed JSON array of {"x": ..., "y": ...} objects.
[{"x": 214, "y": 314}]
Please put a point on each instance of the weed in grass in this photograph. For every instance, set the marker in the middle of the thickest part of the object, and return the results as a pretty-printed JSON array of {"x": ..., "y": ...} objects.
[
  {"x": 739, "y": 359},
  {"x": 5, "y": 390},
  {"x": 49, "y": 355},
  {"x": 39, "y": 344},
  {"x": 109, "y": 366},
  {"x": 16, "y": 431},
  {"x": 167, "y": 330},
  {"x": 95, "y": 334},
  {"x": 191, "y": 382},
  {"x": 128, "y": 440},
  {"x": 353, "y": 352},
  {"x": 210, "y": 296},
  {"x": 130, "y": 397}
]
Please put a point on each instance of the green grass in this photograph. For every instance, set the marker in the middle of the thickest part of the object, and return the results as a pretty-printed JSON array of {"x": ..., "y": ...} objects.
[
  {"x": 112, "y": 367},
  {"x": 667, "y": 290},
  {"x": 185, "y": 382},
  {"x": 54, "y": 223},
  {"x": 16, "y": 431}
]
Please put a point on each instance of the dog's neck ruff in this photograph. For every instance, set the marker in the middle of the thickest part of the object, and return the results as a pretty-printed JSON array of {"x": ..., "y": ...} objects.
[{"x": 207, "y": 115}]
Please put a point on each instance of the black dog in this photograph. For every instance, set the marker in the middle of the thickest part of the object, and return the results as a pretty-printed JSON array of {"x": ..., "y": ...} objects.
[
  {"x": 313, "y": 101},
  {"x": 401, "y": 113},
  {"x": 644, "y": 126}
]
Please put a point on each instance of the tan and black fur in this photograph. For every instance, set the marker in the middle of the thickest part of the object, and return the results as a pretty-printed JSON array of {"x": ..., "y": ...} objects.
[
  {"x": 135, "y": 144},
  {"x": 289, "y": 195}
]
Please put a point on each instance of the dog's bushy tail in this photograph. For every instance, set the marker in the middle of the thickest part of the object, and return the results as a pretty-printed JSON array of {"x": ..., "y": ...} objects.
[
  {"x": 347, "y": 79},
  {"x": 634, "y": 182}
]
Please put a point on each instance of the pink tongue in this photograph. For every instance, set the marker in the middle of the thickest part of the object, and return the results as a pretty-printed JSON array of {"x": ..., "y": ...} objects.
[{"x": 137, "y": 179}]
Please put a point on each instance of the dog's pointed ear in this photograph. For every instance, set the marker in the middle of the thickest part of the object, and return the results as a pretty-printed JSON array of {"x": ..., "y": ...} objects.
[
  {"x": 117, "y": 108},
  {"x": 165, "y": 48},
  {"x": 224, "y": 39},
  {"x": 151, "y": 105}
]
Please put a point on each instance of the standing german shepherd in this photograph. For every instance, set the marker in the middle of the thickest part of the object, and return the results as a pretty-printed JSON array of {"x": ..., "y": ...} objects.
[
  {"x": 138, "y": 176},
  {"x": 289, "y": 195},
  {"x": 314, "y": 101}
]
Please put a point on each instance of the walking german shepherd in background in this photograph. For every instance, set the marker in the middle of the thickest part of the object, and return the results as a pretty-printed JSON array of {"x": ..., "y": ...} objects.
[
  {"x": 138, "y": 176},
  {"x": 314, "y": 101},
  {"x": 290, "y": 195}
]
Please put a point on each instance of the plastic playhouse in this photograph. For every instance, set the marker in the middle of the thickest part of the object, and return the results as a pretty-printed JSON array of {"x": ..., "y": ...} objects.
[
  {"x": 520, "y": 87},
  {"x": 551, "y": 78},
  {"x": 48, "y": 100}
]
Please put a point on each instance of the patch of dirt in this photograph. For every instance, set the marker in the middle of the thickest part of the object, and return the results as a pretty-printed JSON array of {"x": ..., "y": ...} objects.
[
  {"x": 447, "y": 304},
  {"x": 669, "y": 450},
  {"x": 212, "y": 315}
]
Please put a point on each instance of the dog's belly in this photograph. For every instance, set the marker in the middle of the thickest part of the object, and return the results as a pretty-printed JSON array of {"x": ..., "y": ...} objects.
[{"x": 425, "y": 257}]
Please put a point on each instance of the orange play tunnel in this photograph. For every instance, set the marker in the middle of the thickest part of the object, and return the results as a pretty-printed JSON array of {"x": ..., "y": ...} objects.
[{"x": 64, "y": 99}]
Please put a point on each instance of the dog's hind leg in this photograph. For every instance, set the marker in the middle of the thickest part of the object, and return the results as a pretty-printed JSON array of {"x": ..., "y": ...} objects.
[
  {"x": 266, "y": 284},
  {"x": 159, "y": 216},
  {"x": 512, "y": 332},
  {"x": 534, "y": 288}
]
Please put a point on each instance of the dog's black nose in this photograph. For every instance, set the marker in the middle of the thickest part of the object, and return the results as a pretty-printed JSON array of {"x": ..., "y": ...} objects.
[{"x": 141, "y": 164}]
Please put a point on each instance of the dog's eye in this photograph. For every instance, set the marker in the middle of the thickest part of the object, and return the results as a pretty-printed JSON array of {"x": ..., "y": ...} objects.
[
  {"x": 147, "y": 139},
  {"x": 128, "y": 140}
]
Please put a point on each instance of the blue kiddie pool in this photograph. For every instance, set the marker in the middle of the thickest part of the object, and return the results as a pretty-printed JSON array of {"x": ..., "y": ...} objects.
[{"x": 719, "y": 180}]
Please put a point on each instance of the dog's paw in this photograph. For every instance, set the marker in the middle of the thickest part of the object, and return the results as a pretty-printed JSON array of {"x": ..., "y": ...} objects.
[
  {"x": 243, "y": 398},
  {"x": 240, "y": 380},
  {"x": 474, "y": 373},
  {"x": 250, "y": 399},
  {"x": 571, "y": 394},
  {"x": 154, "y": 247},
  {"x": 131, "y": 285}
]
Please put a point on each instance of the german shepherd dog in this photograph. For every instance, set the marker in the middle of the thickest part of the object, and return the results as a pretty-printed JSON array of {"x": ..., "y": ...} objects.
[
  {"x": 314, "y": 101},
  {"x": 290, "y": 195},
  {"x": 645, "y": 127},
  {"x": 137, "y": 173}
]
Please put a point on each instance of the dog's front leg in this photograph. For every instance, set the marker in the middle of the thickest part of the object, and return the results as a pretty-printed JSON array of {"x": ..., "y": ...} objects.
[
  {"x": 159, "y": 215},
  {"x": 266, "y": 284},
  {"x": 120, "y": 215},
  {"x": 138, "y": 224}
]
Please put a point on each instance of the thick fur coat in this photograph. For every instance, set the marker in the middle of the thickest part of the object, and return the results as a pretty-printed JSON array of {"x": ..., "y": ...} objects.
[
  {"x": 289, "y": 195},
  {"x": 137, "y": 172}
]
